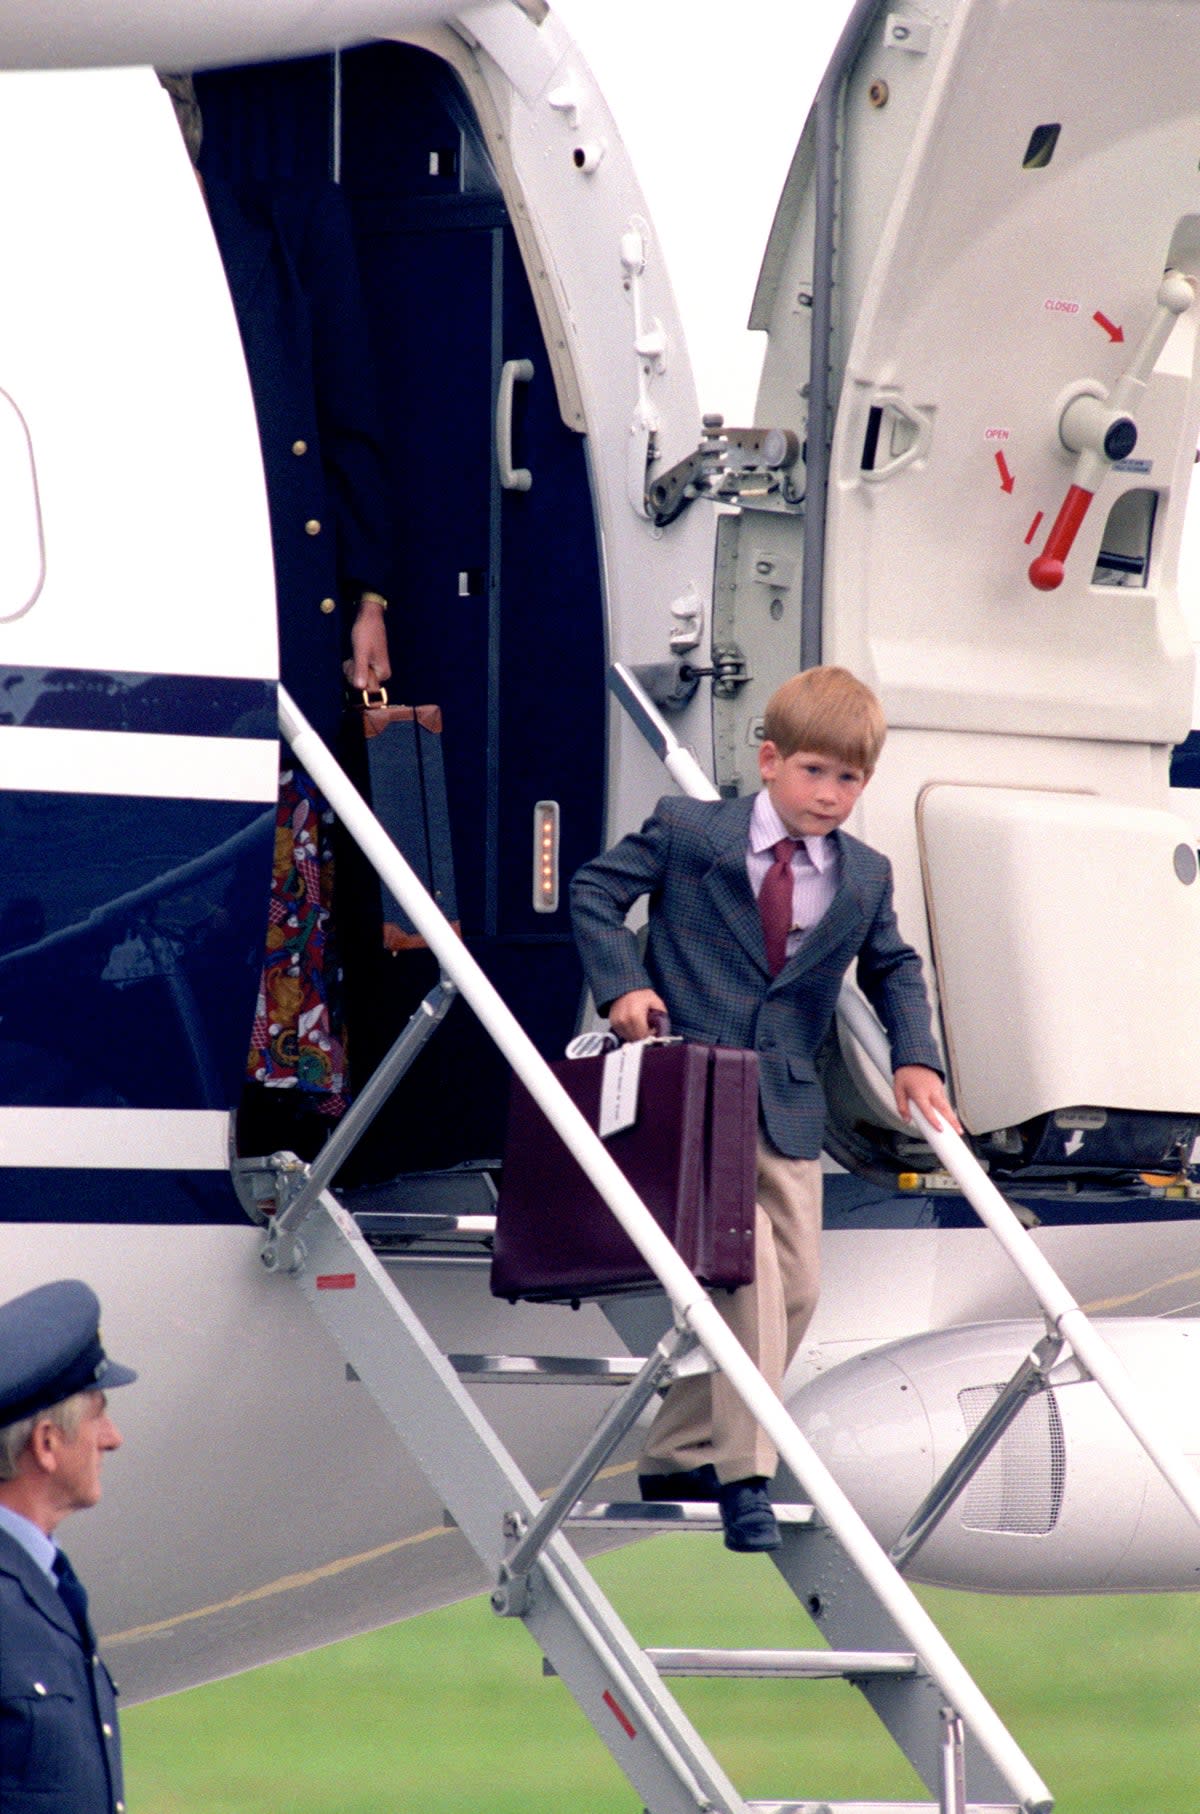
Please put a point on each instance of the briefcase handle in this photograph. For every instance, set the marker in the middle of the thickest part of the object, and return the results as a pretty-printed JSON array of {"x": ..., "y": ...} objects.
[
  {"x": 368, "y": 699},
  {"x": 596, "y": 1044}
]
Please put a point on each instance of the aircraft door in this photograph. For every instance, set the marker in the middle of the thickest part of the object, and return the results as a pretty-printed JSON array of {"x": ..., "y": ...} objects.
[{"x": 1007, "y": 268}]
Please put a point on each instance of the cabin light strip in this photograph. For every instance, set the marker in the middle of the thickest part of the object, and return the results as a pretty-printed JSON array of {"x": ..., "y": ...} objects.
[
  {"x": 545, "y": 856},
  {"x": 138, "y": 1140},
  {"x": 41, "y": 760}
]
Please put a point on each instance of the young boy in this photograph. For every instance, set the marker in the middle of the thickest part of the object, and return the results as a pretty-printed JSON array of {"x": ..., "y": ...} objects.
[{"x": 757, "y": 907}]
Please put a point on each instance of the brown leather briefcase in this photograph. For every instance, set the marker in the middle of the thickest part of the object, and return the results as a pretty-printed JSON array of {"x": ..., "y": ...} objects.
[{"x": 690, "y": 1154}]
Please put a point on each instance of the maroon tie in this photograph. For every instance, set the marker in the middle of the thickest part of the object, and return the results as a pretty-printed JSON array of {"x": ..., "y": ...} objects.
[{"x": 775, "y": 904}]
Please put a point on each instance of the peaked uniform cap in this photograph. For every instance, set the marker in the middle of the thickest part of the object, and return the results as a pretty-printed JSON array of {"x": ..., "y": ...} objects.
[{"x": 50, "y": 1348}]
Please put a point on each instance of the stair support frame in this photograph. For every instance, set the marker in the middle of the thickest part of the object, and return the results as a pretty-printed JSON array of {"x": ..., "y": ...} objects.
[{"x": 998, "y": 1752}]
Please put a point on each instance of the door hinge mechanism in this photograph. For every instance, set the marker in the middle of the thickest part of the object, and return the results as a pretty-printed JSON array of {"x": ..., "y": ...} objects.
[
  {"x": 731, "y": 465},
  {"x": 729, "y": 671}
]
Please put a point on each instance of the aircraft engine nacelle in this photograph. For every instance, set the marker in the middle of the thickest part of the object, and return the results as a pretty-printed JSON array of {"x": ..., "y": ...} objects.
[{"x": 1067, "y": 1503}]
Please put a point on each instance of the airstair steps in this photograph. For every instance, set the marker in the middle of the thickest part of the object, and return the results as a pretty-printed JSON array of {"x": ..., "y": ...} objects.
[
  {"x": 911, "y": 1678},
  {"x": 541, "y": 1579}
]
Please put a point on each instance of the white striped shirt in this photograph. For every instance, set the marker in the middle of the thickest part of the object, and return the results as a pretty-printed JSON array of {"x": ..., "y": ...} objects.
[{"x": 814, "y": 867}]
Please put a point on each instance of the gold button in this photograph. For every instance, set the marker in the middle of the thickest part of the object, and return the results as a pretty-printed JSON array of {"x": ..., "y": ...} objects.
[
  {"x": 106, "y": 1729},
  {"x": 299, "y": 447},
  {"x": 328, "y": 605},
  {"x": 312, "y": 527}
]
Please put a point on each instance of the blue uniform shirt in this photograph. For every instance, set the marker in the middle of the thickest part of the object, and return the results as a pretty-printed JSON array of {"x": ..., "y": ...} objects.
[{"x": 43, "y": 1549}]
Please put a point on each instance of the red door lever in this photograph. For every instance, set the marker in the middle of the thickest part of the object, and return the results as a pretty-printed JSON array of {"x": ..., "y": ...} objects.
[
  {"x": 1046, "y": 572},
  {"x": 1101, "y": 430}
]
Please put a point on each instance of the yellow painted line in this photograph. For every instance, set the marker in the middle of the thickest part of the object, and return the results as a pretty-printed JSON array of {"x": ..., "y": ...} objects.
[
  {"x": 288, "y": 1584},
  {"x": 1101, "y": 1305}
]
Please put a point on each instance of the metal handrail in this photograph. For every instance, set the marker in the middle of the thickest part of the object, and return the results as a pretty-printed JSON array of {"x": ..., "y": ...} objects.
[
  {"x": 693, "y": 1308},
  {"x": 1062, "y": 1310}
]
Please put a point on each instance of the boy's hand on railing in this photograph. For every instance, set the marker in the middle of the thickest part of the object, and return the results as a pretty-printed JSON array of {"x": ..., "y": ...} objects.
[
  {"x": 630, "y": 1014},
  {"x": 916, "y": 1086}
]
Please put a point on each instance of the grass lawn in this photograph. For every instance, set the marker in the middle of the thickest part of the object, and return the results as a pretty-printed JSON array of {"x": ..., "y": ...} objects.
[{"x": 449, "y": 1713}]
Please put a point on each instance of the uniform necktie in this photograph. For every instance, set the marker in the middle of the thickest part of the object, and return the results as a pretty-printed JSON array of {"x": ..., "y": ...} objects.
[
  {"x": 74, "y": 1596},
  {"x": 775, "y": 904}
]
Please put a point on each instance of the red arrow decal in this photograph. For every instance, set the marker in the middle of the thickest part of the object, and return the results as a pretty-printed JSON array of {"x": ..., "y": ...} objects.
[
  {"x": 1006, "y": 478},
  {"x": 1114, "y": 333}
]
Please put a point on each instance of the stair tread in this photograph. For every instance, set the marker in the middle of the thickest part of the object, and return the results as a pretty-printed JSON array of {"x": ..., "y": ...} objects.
[
  {"x": 386, "y": 1229},
  {"x": 547, "y": 1369},
  {"x": 671, "y": 1514},
  {"x": 464, "y": 1189},
  {"x": 876, "y": 1807},
  {"x": 809, "y": 1664}
]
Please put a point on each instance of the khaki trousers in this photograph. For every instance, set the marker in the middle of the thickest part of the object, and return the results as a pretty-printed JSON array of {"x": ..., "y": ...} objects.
[{"x": 703, "y": 1419}]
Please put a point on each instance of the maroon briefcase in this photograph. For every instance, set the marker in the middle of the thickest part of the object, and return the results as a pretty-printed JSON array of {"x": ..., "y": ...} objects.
[{"x": 690, "y": 1155}]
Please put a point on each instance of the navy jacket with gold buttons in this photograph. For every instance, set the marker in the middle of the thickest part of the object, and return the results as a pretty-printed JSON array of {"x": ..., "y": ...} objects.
[
  {"x": 60, "y": 1749},
  {"x": 290, "y": 262}
]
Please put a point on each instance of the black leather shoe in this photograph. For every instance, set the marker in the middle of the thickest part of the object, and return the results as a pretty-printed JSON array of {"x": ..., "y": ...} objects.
[
  {"x": 747, "y": 1516},
  {"x": 695, "y": 1483}
]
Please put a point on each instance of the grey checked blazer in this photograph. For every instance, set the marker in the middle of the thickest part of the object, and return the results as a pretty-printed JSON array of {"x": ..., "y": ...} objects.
[{"x": 705, "y": 954}]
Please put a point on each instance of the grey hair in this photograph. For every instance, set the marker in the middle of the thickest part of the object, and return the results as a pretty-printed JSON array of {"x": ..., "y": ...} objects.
[{"x": 66, "y": 1416}]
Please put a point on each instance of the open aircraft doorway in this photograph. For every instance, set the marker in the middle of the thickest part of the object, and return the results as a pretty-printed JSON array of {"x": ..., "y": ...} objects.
[{"x": 498, "y": 618}]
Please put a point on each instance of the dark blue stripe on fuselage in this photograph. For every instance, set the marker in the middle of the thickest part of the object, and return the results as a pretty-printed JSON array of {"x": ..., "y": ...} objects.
[
  {"x": 81, "y": 1194},
  {"x": 131, "y": 937},
  {"x": 852, "y": 1203},
  {"x": 180, "y": 705},
  {"x": 31, "y": 1194}
]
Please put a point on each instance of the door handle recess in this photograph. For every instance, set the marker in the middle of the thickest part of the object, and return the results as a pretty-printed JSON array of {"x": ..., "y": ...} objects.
[
  {"x": 512, "y": 373},
  {"x": 908, "y": 437}
]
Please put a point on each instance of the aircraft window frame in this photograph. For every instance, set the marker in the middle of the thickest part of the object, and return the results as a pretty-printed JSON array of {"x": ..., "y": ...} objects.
[{"x": 18, "y": 474}]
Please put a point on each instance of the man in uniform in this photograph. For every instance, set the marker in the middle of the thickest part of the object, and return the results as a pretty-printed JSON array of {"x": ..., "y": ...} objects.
[{"x": 60, "y": 1751}]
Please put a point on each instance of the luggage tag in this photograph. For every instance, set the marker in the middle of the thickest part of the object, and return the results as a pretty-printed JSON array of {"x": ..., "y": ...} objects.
[
  {"x": 619, "y": 1080},
  {"x": 619, "y": 1086},
  {"x": 622, "y": 1077}
]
